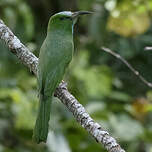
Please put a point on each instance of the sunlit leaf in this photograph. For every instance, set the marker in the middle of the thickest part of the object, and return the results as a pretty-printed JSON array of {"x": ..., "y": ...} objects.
[{"x": 128, "y": 21}]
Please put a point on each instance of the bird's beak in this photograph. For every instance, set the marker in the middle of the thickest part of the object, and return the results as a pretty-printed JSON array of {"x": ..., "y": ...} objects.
[{"x": 77, "y": 14}]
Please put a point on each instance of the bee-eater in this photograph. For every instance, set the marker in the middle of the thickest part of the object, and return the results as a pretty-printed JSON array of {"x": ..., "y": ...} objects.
[{"x": 55, "y": 55}]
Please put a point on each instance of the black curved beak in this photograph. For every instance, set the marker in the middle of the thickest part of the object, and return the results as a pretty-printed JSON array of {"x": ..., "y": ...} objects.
[{"x": 76, "y": 14}]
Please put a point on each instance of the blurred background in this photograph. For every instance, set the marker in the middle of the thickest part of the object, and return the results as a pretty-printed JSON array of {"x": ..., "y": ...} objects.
[{"x": 110, "y": 92}]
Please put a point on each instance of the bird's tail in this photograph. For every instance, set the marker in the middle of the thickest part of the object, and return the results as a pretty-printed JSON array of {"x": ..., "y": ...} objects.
[{"x": 41, "y": 127}]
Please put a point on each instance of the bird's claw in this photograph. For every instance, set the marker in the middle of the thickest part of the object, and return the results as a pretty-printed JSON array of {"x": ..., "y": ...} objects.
[{"x": 63, "y": 85}]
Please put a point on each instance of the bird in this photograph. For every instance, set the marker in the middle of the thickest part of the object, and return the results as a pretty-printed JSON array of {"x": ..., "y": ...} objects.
[{"x": 55, "y": 55}]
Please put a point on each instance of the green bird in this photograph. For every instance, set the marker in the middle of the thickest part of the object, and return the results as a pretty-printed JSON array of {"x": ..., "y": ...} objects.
[{"x": 55, "y": 55}]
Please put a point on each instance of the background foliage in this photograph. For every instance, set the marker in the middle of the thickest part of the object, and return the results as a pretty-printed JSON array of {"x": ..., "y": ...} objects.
[{"x": 112, "y": 95}]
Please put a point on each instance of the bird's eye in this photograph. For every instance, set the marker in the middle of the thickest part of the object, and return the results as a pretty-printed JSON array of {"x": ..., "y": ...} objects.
[
  {"x": 64, "y": 18},
  {"x": 69, "y": 18}
]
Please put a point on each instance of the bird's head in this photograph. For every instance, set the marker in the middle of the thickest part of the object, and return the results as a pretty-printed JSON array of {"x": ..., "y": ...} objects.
[{"x": 65, "y": 19}]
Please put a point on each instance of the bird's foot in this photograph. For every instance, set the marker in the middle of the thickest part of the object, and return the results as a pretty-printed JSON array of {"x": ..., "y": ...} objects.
[{"x": 62, "y": 85}]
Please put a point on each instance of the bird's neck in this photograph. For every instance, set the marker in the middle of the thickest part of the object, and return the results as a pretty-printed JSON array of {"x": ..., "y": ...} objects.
[
  {"x": 61, "y": 30},
  {"x": 63, "y": 34}
]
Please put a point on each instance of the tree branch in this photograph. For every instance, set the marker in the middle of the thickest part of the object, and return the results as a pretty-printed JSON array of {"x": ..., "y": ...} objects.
[
  {"x": 79, "y": 112},
  {"x": 128, "y": 65},
  {"x": 148, "y": 48}
]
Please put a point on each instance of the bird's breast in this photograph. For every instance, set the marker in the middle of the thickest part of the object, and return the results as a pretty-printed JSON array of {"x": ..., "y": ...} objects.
[{"x": 59, "y": 48}]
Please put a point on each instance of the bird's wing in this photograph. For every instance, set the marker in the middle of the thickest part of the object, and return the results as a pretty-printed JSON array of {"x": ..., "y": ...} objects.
[
  {"x": 49, "y": 81},
  {"x": 53, "y": 78}
]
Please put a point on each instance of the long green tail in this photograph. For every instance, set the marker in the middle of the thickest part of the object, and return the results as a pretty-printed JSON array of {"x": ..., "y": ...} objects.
[{"x": 42, "y": 123}]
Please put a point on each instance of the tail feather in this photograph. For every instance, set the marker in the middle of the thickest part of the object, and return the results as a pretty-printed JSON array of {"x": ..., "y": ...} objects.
[{"x": 42, "y": 123}]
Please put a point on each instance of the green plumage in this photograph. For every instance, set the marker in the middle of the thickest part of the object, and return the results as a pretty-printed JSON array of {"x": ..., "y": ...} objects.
[{"x": 55, "y": 55}]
